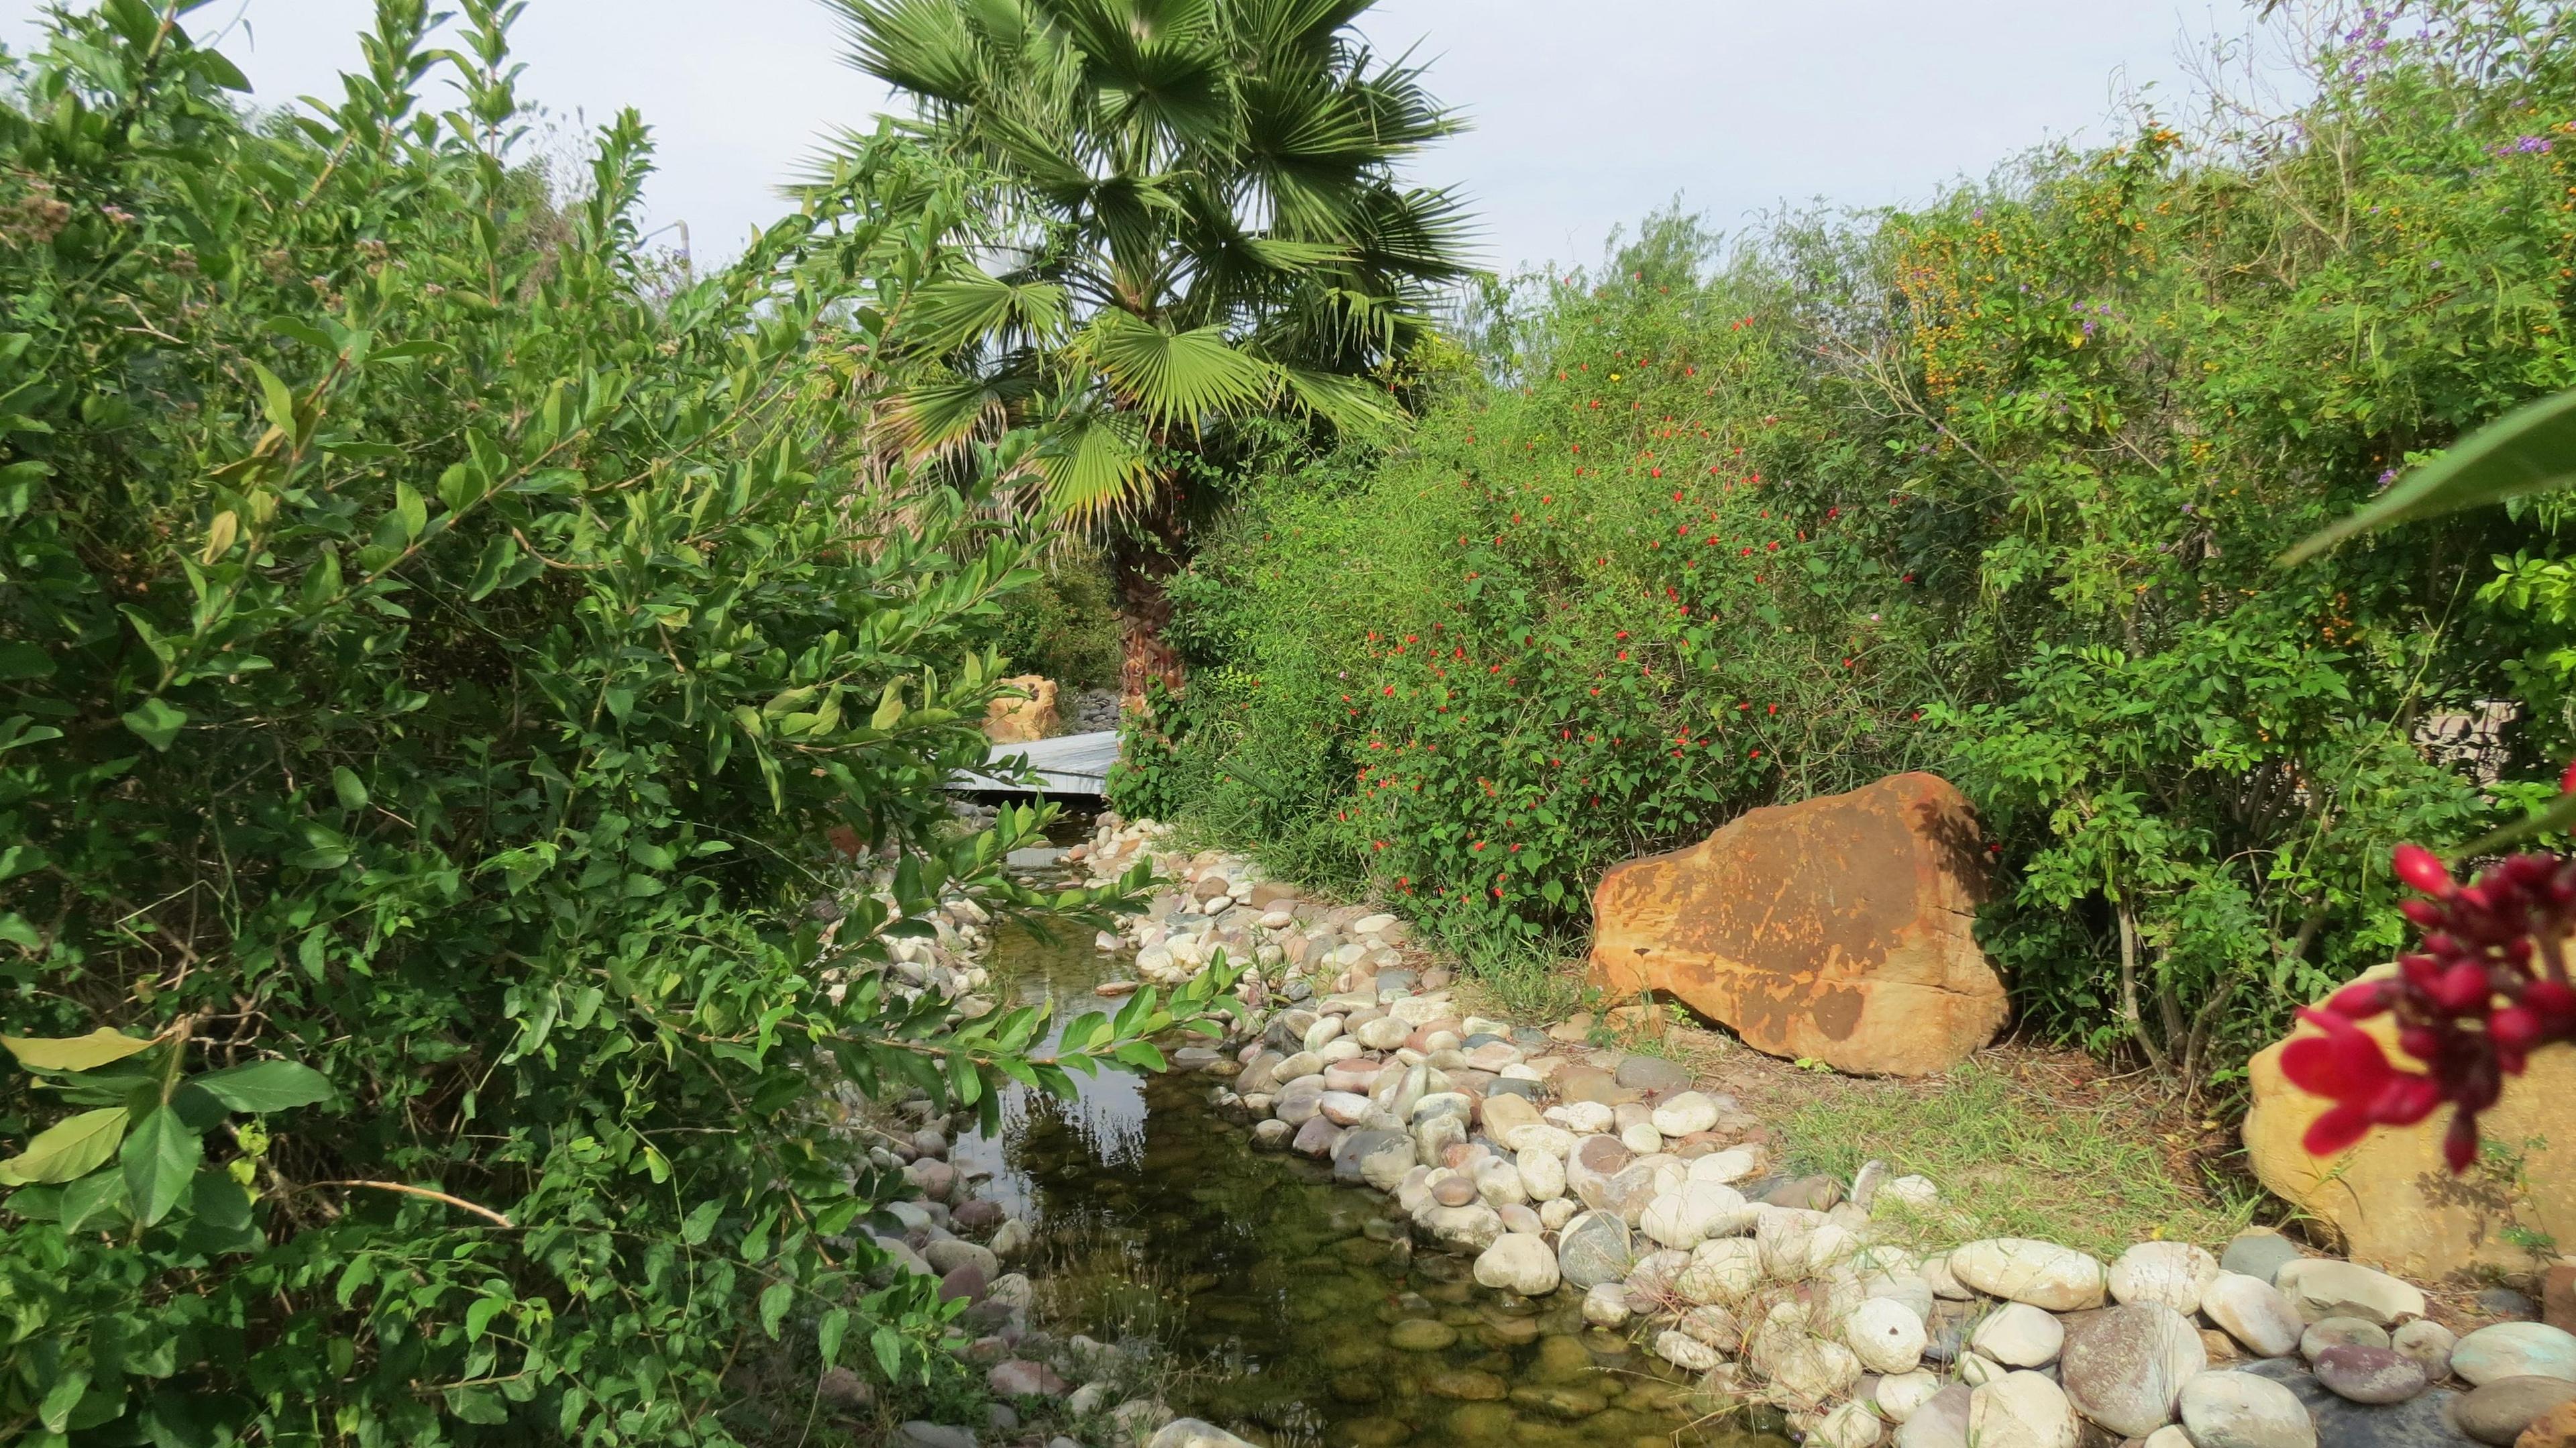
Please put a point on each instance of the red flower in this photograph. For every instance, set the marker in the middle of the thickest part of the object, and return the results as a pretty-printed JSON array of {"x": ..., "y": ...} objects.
[{"x": 2346, "y": 1066}]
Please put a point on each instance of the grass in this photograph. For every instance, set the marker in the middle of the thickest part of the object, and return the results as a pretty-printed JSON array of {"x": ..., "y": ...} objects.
[{"x": 2017, "y": 1159}]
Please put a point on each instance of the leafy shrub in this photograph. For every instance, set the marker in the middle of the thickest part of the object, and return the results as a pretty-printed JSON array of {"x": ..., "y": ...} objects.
[
  {"x": 1994, "y": 487},
  {"x": 429, "y": 666},
  {"x": 1064, "y": 626}
]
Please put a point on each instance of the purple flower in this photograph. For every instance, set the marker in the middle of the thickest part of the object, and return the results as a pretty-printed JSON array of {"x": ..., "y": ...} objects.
[
  {"x": 2388, "y": 477},
  {"x": 2088, "y": 327}
]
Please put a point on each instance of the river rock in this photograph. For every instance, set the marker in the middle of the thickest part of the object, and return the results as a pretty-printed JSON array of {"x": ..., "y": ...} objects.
[
  {"x": 1886, "y": 1335},
  {"x": 1421, "y": 1334},
  {"x": 2243, "y": 1410},
  {"x": 1728, "y": 1167},
  {"x": 2427, "y": 1342},
  {"x": 1686, "y": 1352},
  {"x": 1317, "y": 1137},
  {"x": 2042, "y": 1274},
  {"x": 1837, "y": 929},
  {"x": 1901, "y": 1395},
  {"x": 1020, "y": 1378},
  {"x": 1721, "y": 1269},
  {"x": 2339, "y": 1331},
  {"x": 950, "y": 1253},
  {"x": 2259, "y": 1252},
  {"x": 1271, "y": 1135},
  {"x": 1344, "y": 1108},
  {"x": 2253, "y": 1312},
  {"x": 1605, "y": 1304},
  {"x": 2021, "y": 1410},
  {"x": 1191, "y": 1433},
  {"x": 2505, "y": 1350},
  {"x": 2124, "y": 1367},
  {"x": 1469, "y": 1228},
  {"x": 2360, "y": 1373},
  {"x": 1685, "y": 1218},
  {"x": 1684, "y": 1113},
  {"x": 1542, "y": 1175},
  {"x": 2391, "y": 1197},
  {"x": 2019, "y": 1336},
  {"x": 1375, "y": 1156},
  {"x": 2499, "y": 1411},
  {"x": 2173, "y": 1273},
  {"x": 1941, "y": 1421},
  {"x": 1517, "y": 1263},
  {"x": 1809, "y": 1368},
  {"x": 1594, "y": 1248},
  {"x": 2323, "y": 1287}
]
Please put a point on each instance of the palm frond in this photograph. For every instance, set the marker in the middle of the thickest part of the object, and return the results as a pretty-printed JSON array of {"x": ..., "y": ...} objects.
[
  {"x": 1185, "y": 377},
  {"x": 922, "y": 46},
  {"x": 1095, "y": 468},
  {"x": 931, "y": 417},
  {"x": 1347, "y": 402},
  {"x": 971, "y": 309}
]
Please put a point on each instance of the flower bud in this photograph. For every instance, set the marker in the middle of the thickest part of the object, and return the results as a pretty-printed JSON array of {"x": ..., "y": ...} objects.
[
  {"x": 2514, "y": 1028},
  {"x": 2422, "y": 870},
  {"x": 2360, "y": 1000}
]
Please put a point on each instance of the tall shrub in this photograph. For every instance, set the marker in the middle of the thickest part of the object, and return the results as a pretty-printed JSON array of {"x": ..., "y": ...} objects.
[{"x": 429, "y": 663}]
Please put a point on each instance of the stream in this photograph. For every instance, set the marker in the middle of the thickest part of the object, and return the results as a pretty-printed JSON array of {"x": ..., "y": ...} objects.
[{"x": 1285, "y": 1295}]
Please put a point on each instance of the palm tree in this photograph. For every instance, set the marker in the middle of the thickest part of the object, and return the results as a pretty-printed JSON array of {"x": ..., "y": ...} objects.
[{"x": 1194, "y": 220}]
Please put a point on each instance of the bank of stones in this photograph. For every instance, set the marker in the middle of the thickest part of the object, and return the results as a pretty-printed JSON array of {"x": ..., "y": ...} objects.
[{"x": 1559, "y": 1170}]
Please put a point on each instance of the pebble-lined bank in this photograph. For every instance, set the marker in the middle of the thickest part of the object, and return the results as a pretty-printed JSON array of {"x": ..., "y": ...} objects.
[{"x": 1566, "y": 1173}]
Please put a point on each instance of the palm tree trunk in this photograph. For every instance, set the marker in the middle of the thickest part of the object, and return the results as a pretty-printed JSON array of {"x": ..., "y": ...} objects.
[{"x": 1142, "y": 558}]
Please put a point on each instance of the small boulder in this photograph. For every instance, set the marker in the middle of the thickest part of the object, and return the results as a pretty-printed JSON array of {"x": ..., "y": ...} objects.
[
  {"x": 2322, "y": 1287},
  {"x": 1518, "y": 1263},
  {"x": 2173, "y": 1273},
  {"x": 2125, "y": 1367},
  {"x": 2253, "y": 1312},
  {"x": 2042, "y": 1274},
  {"x": 2506, "y": 1350},
  {"x": 2019, "y": 1336},
  {"x": 2360, "y": 1373},
  {"x": 2501, "y": 1411},
  {"x": 2242, "y": 1410},
  {"x": 2021, "y": 1410}
]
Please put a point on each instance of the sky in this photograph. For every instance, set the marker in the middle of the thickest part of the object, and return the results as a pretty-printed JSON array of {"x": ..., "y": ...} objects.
[{"x": 1586, "y": 113}]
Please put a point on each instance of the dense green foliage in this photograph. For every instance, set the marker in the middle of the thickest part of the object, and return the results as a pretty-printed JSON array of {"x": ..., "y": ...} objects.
[
  {"x": 1197, "y": 219},
  {"x": 1064, "y": 625},
  {"x": 1993, "y": 487},
  {"x": 430, "y": 663}
]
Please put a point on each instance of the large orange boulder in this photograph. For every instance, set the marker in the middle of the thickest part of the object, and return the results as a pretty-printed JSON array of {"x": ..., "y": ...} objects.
[
  {"x": 2391, "y": 1197},
  {"x": 1836, "y": 929},
  {"x": 1024, "y": 712}
]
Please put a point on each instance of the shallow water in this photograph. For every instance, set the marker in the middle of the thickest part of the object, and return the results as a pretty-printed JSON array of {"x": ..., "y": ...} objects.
[{"x": 1155, "y": 1218}]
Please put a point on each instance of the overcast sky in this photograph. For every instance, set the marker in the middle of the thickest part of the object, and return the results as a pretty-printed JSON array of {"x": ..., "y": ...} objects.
[{"x": 1587, "y": 112}]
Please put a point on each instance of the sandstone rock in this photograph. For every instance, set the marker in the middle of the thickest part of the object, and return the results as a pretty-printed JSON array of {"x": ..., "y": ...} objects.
[
  {"x": 2021, "y": 1410},
  {"x": 1836, "y": 929},
  {"x": 2241, "y": 1410},
  {"x": 2322, "y": 1287},
  {"x": 2124, "y": 1368},
  {"x": 1024, "y": 712},
  {"x": 2395, "y": 1203},
  {"x": 2499, "y": 1412},
  {"x": 2553, "y": 1429},
  {"x": 2020, "y": 1269},
  {"x": 2254, "y": 1312},
  {"x": 2173, "y": 1273},
  {"x": 2506, "y": 1350},
  {"x": 1517, "y": 1263}
]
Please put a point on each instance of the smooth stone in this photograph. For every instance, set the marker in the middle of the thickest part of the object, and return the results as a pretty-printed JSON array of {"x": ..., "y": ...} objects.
[
  {"x": 2365, "y": 1374},
  {"x": 2253, "y": 1312},
  {"x": 1886, "y": 1335},
  {"x": 1594, "y": 1248},
  {"x": 2021, "y": 1410},
  {"x": 1542, "y": 1175},
  {"x": 2259, "y": 1252},
  {"x": 2505, "y": 1350},
  {"x": 1020, "y": 1378},
  {"x": 1941, "y": 1421},
  {"x": 2042, "y": 1274},
  {"x": 920, "y": 1434},
  {"x": 1344, "y": 1108},
  {"x": 1465, "y": 1385},
  {"x": 2499, "y": 1411},
  {"x": 1721, "y": 1269},
  {"x": 1455, "y": 1190},
  {"x": 1189, "y": 1433},
  {"x": 2019, "y": 1335},
  {"x": 1605, "y": 1304},
  {"x": 1684, "y": 1113},
  {"x": 2124, "y": 1367},
  {"x": 2420, "y": 1422},
  {"x": 1421, "y": 1334},
  {"x": 2173, "y": 1273},
  {"x": 1518, "y": 1263},
  {"x": 1652, "y": 1073},
  {"x": 2427, "y": 1342},
  {"x": 2242, "y": 1410},
  {"x": 2338, "y": 1331},
  {"x": 2322, "y": 1287},
  {"x": 1686, "y": 1352},
  {"x": 1316, "y": 1137},
  {"x": 1901, "y": 1395},
  {"x": 1698, "y": 1211}
]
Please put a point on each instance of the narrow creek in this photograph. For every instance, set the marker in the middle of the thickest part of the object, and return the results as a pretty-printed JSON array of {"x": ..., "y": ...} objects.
[{"x": 1281, "y": 1291}]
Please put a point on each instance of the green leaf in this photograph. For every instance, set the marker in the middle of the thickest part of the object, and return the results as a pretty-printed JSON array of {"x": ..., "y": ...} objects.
[
  {"x": 55, "y": 1411},
  {"x": 160, "y": 1159},
  {"x": 276, "y": 400},
  {"x": 2529, "y": 450},
  {"x": 72, "y": 1147},
  {"x": 73, "y": 1053},
  {"x": 774, "y": 1300},
  {"x": 828, "y": 1334},
  {"x": 263, "y": 1086},
  {"x": 701, "y": 1221},
  {"x": 155, "y": 722},
  {"x": 346, "y": 784}
]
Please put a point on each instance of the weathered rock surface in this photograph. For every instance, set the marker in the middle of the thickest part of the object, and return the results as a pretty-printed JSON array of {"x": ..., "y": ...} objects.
[
  {"x": 2396, "y": 1203},
  {"x": 1023, "y": 712},
  {"x": 2019, "y": 1269},
  {"x": 2125, "y": 1367},
  {"x": 1836, "y": 929}
]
